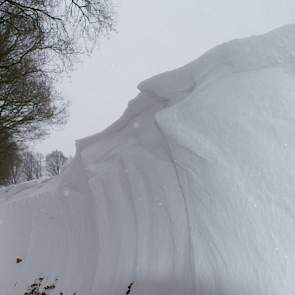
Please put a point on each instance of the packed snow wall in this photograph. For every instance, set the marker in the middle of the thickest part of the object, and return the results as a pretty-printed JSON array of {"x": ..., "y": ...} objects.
[{"x": 190, "y": 192}]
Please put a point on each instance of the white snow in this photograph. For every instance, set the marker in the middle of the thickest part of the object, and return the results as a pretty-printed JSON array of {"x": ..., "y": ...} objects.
[{"x": 190, "y": 192}]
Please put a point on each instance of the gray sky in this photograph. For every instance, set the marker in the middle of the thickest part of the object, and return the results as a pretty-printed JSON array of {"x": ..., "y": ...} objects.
[{"x": 153, "y": 36}]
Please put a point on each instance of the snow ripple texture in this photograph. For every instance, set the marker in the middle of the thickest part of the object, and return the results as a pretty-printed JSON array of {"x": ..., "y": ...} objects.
[{"x": 190, "y": 192}]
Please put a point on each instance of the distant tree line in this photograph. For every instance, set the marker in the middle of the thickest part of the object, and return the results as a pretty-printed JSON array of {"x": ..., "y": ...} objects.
[
  {"x": 29, "y": 166},
  {"x": 40, "y": 39}
]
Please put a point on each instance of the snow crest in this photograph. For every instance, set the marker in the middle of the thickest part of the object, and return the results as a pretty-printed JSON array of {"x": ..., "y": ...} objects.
[{"x": 190, "y": 192}]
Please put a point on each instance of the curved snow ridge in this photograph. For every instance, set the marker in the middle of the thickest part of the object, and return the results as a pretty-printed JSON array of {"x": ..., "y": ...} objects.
[
  {"x": 189, "y": 192},
  {"x": 276, "y": 48},
  {"x": 235, "y": 161}
]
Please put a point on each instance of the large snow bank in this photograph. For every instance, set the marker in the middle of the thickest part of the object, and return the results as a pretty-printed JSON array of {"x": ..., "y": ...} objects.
[{"x": 190, "y": 192}]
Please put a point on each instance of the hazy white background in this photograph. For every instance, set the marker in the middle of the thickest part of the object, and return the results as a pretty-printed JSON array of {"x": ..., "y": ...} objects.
[{"x": 153, "y": 36}]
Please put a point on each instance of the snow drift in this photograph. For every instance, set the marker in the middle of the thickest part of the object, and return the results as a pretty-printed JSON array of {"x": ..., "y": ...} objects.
[{"x": 190, "y": 192}]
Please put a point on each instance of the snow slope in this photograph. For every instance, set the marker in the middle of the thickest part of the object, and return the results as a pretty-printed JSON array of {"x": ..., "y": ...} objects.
[{"x": 189, "y": 192}]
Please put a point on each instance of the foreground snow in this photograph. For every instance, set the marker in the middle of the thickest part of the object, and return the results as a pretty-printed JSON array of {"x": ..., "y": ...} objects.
[{"x": 190, "y": 192}]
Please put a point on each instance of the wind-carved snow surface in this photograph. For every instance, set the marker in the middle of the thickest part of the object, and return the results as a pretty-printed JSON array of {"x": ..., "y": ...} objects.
[{"x": 190, "y": 192}]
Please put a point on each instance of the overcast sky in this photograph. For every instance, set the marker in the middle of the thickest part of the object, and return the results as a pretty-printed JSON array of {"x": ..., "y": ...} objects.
[{"x": 153, "y": 36}]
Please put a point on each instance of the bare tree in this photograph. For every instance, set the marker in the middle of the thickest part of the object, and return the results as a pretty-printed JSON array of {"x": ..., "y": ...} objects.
[
  {"x": 54, "y": 162},
  {"x": 38, "y": 167},
  {"x": 9, "y": 159},
  {"x": 38, "y": 40},
  {"x": 15, "y": 172},
  {"x": 31, "y": 165},
  {"x": 54, "y": 30}
]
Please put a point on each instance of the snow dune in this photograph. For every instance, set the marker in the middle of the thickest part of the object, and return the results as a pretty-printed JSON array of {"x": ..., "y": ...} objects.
[{"x": 190, "y": 192}]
